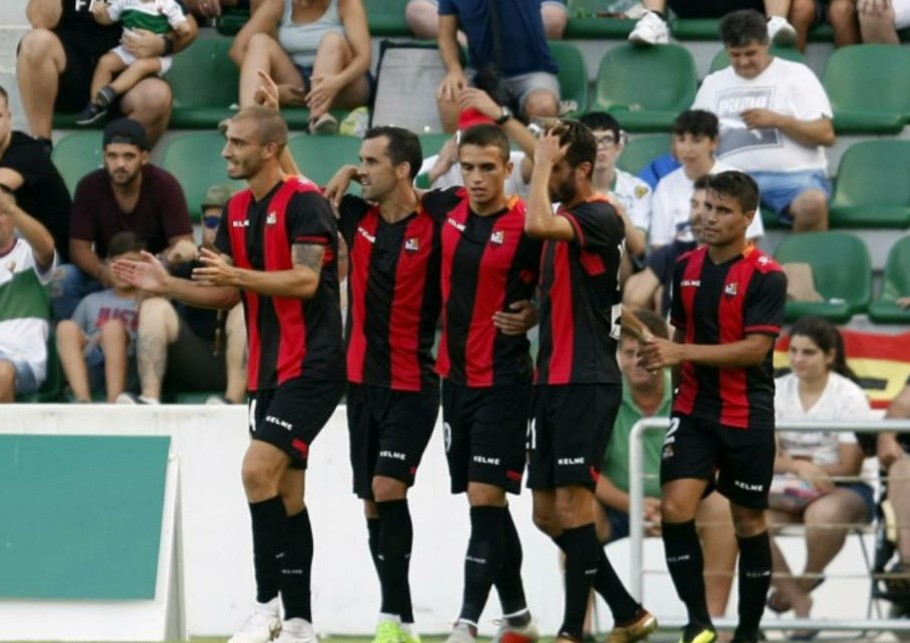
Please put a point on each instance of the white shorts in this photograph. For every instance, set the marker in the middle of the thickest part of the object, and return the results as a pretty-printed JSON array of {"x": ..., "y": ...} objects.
[
  {"x": 901, "y": 13},
  {"x": 129, "y": 59}
]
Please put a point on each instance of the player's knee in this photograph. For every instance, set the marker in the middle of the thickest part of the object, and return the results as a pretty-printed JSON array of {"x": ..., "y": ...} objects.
[
  {"x": 546, "y": 522},
  {"x": 386, "y": 489},
  {"x": 748, "y": 522},
  {"x": 258, "y": 481},
  {"x": 674, "y": 510},
  {"x": 573, "y": 503}
]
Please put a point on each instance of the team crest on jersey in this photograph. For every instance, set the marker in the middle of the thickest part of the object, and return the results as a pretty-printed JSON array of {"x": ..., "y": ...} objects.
[
  {"x": 271, "y": 219},
  {"x": 412, "y": 244},
  {"x": 731, "y": 289},
  {"x": 640, "y": 191},
  {"x": 498, "y": 237}
]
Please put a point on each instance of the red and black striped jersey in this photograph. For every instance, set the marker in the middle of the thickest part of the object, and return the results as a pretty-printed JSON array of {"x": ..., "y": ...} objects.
[
  {"x": 394, "y": 296},
  {"x": 580, "y": 298},
  {"x": 488, "y": 263},
  {"x": 288, "y": 337},
  {"x": 721, "y": 304}
]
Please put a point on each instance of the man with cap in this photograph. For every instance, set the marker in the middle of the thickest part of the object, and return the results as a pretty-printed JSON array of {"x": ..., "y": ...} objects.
[
  {"x": 185, "y": 349},
  {"x": 127, "y": 194}
]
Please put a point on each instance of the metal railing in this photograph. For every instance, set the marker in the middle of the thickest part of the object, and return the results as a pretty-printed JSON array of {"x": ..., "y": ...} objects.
[{"x": 636, "y": 525}]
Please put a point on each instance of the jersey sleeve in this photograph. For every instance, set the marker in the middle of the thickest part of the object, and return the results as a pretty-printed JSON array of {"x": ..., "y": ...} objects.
[
  {"x": 222, "y": 235},
  {"x": 677, "y": 309},
  {"x": 310, "y": 220},
  {"x": 351, "y": 210},
  {"x": 438, "y": 203},
  {"x": 596, "y": 225},
  {"x": 765, "y": 302}
]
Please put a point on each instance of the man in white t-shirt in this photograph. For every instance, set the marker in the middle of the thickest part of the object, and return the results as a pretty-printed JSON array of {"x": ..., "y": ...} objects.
[
  {"x": 775, "y": 120},
  {"x": 879, "y": 20},
  {"x": 26, "y": 265},
  {"x": 695, "y": 139}
]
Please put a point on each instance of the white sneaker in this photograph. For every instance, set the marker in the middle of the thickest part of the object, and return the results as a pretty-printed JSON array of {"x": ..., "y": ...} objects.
[
  {"x": 510, "y": 634},
  {"x": 461, "y": 633},
  {"x": 650, "y": 30},
  {"x": 261, "y": 626},
  {"x": 132, "y": 398},
  {"x": 297, "y": 630},
  {"x": 781, "y": 32}
]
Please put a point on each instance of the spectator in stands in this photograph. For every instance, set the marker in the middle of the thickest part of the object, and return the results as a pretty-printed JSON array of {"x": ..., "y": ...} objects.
[
  {"x": 894, "y": 458},
  {"x": 652, "y": 28},
  {"x": 821, "y": 387},
  {"x": 422, "y": 17},
  {"x": 97, "y": 346},
  {"x": 118, "y": 70},
  {"x": 650, "y": 288},
  {"x": 186, "y": 349},
  {"x": 879, "y": 20},
  {"x": 808, "y": 14},
  {"x": 775, "y": 122},
  {"x": 27, "y": 259},
  {"x": 57, "y": 57},
  {"x": 127, "y": 194},
  {"x": 512, "y": 63},
  {"x": 28, "y": 172},
  {"x": 695, "y": 140},
  {"x": 319, "y": 55},
  {"x": 650, "y": 394}
]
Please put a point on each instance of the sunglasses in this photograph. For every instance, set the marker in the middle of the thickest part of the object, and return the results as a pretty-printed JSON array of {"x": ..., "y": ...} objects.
[{"x": 211, "y": 222}]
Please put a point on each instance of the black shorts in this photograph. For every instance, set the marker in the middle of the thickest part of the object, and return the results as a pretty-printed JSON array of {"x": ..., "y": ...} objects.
[
  {"x": 569, "y": 433},
  {"x": 291, "y": 416},
  {"x": 739, "y": 462},
  {"x": 485, "y": 431},
  {"x": 192, "y": 364},
  {"x": 74, "y": 90},
  {"x": 713, "y": 8},
  {"x": 389, "y": 432}
]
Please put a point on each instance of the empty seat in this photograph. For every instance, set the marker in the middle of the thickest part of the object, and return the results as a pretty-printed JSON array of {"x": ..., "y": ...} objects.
[
  {"x": 841, "y": 269},
  {"x": 896, "y": 284},
  {"x": 205, "y": 84},
  {"x": 641, "y": 150},
  {"x": 386, "y": 17},
  {"x": 645, "y": 88},
  {"x": 872, "y": 190},
  {"x": 77, "y": 154},
  {"x": 573, "y": 77},
  {"x": 319, "y": 157}
]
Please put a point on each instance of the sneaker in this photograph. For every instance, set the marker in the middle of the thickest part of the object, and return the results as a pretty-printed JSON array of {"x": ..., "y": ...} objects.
[
  {"x": 638, "y": 630},
  {"x": 325, "y": 124},
  {"x": 405, "y": 635},
  {"x": 296, "y": 630},
  {"x": 132, "y": 398},
  {"x": 650, "y": 30},
  {"x": 217, "y": 399},
  {"x": 697, "y": 633},
  {"x": 92, "y": 113},
  {"x": 462, "y": 633},
  {"x": 506, "y": 633},
  {"x": 387, "y": 631},
  {"x": 261, "y": 625},
  {"x": 781, "y": 32}
]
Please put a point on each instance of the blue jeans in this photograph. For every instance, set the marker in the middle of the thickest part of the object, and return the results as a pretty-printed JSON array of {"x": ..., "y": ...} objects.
[
  {"x": 780, "y": 189},
  {"x": 68, "y": 287}
]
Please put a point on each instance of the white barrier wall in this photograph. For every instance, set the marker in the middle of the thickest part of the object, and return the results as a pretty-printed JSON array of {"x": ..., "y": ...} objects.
[{"x": 216, "y": 549}]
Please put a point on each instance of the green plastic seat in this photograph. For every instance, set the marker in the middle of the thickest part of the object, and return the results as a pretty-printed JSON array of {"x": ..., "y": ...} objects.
[
  {"x": 386, "y": 18},
  {"x": 573, "y": 76},
  {"x": 641, "y": 150},
  {"x": 722, "y": 59},
  {"x": 77, "y": 154},
  {"x": 205, "y": 84},
  {"x": 695, "y": 28},
  {"x": 841, "y": 269},
  {"x": 231, "y": 21},
  {"x": 430, "y": 144},
  {"x": 872, "y": 190},
  {"x": 194, "y": 158},
  {"x": 588, "y": 28},
  {"x": 319, "y": 157},
  {"x": 645, "y": 88},
  {"x": 896, "y": 283},
  {"x": 869, "y": 88}
]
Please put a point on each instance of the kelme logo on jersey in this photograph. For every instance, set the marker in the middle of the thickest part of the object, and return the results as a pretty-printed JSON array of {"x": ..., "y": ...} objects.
[
  {"x": 240, "y": 224},
  {"x": 458, "y": 226},
  {"x": 271, "y": 219},
  {"x": 412, "y": 244},
  {"x": 730, "y": 290},
  {"x": 498, "y": 237},
  {"x": 366, "y": 235}
]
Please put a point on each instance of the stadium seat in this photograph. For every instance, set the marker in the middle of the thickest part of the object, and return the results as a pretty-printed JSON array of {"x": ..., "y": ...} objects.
[
  {"x": 386, "y": 18},
  {"x": 231, "y": 21},
  {"x": 641, "y": 150},
  {"x": 573, "y": 76},
  {"x": 77, "y": 154},
  {"x": 896, "y": 283},
  {"x": 645, "y": 88},
  {"x": 722, "y": 59},
  {"x": 841, "y": 269},
  {"x": 869, "y": 88},
  {"x": 205, "y": 84},
  {"x": 194, "y": 158},
  {"x": 319, "y": 157},
  {"x": 430, "y": 144},
  {"x": 872, "y": 190}
]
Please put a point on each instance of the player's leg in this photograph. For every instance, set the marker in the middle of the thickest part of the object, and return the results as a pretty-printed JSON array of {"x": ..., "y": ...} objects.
[
  {"x": 70, "y": 347},
  {"x": 718, "y": 540}
]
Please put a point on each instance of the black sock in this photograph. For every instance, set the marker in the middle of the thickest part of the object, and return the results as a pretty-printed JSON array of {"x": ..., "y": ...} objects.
[
  {"x": 483, "y": 559},
  {"x": 582, "y": 551},
  {"x": 269, "y": 520},
  {"x": 686, "y": 566},
  {"x": 395, "y": 537},
  {"x": 373, "y": 541},
  {"x": 754, "y": 581},
  {"x": 508, "y": 581},
  {"x": 296, "y": 567},
  {"x": 407, "y": 611}
]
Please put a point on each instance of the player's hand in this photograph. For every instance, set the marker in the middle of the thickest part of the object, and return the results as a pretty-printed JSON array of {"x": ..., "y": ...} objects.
[
  {"x": 324, "y": 89},
  {"x": 471, "y": 97},
  {"x": 142, "y": 43},
  {"x": 291, "y": 95},
  {"x": 215, "y": 271},
  {"x": 523, "y": 317},
  {"x": 338, "y": 185},
  {"x": 757, "y": 118},
  {"x": 452, "y": 85},
  {"x": 656, "y": 353},
  {"x": 181, "y": 252},
  {"x": 147, "y": 275},
  {"x": 446, "y": 159},
  {"x": 547, "y": 151},
  {"x": 267, "y": 95}
]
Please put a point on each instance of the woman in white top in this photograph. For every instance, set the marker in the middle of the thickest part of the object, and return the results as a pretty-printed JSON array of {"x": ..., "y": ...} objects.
[
  {"x": 820, "y": 387},
  {"x": 318, "y": 52}
]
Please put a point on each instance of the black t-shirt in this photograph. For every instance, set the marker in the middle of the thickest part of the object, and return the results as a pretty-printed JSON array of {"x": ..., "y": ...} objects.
[
  {"x": 43, "y": 194},
  {"x": 78, "y": 29}
]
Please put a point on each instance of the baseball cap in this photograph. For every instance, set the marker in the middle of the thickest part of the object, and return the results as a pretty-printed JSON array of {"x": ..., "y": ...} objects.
[
  {"x": 126, "y": 130},
  {"x": 217, "y": 196},
  {"x": 471, "y": 117}
]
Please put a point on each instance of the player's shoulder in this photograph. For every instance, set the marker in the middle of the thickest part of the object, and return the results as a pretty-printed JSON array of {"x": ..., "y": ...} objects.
[
  {"x": 763, "y": 262},
  {"x": 689, "y": 255},
  {"x": 440, "y": 202}
]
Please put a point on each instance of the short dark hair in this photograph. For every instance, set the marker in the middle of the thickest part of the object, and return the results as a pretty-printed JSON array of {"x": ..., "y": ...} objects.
[
  {"x": 743, "y": 27},
  {"x": 581, "y": 142},
  {"x": 655, "y": 323},
  {"x": 737, "y": 185},
  {"x": 602, "y": 121},
  {"x": 402, "y": 146},
  {"x": 487, "y": 136},
  {"x": 697, "y": 122},
  {"x": 124, "y": 242},
  {"x": 701, "y": 183}
]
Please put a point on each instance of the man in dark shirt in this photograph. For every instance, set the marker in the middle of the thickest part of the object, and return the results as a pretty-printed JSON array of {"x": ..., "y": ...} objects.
[
  {"x": 578, "y": 388},
  {"x": 127, "y": 194},
  {"x": 727, "y": 308},
  {"x": 39, "y": 189},
  {"x": 57, "y": 58},
  {"x": 277, "y": 247}
]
